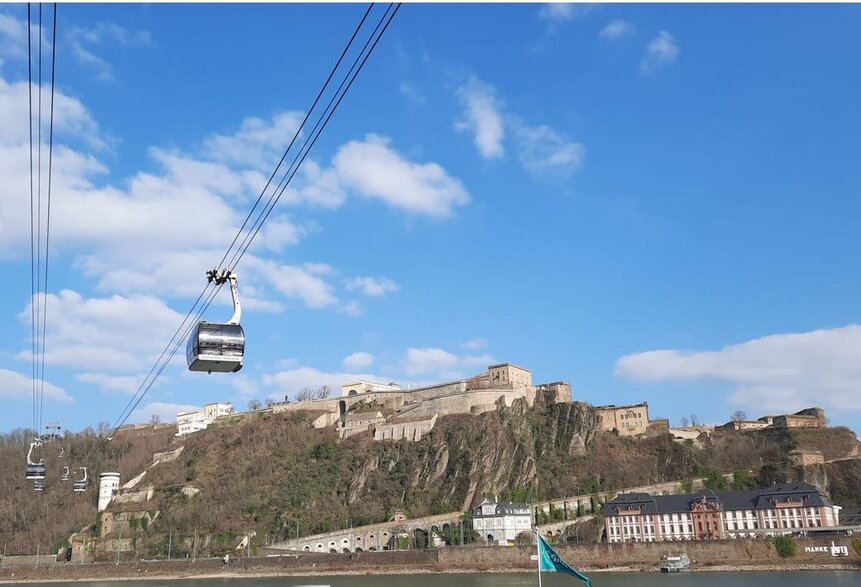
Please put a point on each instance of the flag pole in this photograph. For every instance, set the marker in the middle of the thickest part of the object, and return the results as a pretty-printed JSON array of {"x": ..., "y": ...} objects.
[{"x": 538, "y": 551}]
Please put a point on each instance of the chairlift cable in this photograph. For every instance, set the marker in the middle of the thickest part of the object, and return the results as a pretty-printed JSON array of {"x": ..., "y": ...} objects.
[{"x": 162, "y": 362}]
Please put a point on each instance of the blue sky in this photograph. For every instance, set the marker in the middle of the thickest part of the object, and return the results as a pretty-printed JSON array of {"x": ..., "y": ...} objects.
[{"x": 651, "y": 202}]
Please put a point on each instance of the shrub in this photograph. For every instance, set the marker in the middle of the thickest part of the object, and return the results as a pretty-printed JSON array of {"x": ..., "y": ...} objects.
[
  {"x": 785, "y": 547},
  {"x": 856, "y": 544}
]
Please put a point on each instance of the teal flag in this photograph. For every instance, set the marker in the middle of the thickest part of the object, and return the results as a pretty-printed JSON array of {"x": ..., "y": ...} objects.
[{"x": 549, "y": 560}]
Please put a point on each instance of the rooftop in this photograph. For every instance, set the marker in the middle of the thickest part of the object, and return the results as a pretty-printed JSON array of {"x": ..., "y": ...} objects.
[
  {"x": 509, "y": 365},
  {"x": 615, "y": 407},
  {"x": 731, "y": 500}
]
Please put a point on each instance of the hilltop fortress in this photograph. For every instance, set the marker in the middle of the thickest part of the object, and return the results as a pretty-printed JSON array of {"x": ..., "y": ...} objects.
[{"x": 392, "y": 412}]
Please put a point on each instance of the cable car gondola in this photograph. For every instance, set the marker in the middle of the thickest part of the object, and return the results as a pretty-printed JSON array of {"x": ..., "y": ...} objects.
[
  {"x": 35, "y": 471},
  {"x": 81, "y": 484},
  {"x": 215, "y": 347}
]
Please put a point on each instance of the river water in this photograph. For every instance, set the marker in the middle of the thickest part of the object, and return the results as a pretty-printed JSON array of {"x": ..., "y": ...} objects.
[{"x": 761, "y": 579}]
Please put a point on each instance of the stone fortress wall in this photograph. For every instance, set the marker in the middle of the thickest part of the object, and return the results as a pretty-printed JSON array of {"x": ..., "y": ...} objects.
[{"x": 414, "y": 411}]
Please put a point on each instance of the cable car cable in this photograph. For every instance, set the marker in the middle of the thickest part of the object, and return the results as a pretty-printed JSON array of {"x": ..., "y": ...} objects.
[
  {"x": 314, "y": 140},
  {"x": 48, "y": 219},
  {"x": 288, "y": 176},
  {"x": 38, "y": 300},
  {"x": 232, "y": 262},
  {"x": 32, "y": 215},
  {"x": 298, "y": 131},
  {"x": 153, "y": 375}
]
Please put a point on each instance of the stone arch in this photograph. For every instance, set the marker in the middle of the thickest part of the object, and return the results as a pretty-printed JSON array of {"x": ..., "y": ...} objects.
[
  {"x": 320, "y": 547},
  {"x": 352, "y": 392},
  {"x": 342, "y": 410},
  {"x": 359, "y": 549},
  {"x": 306, "y": 548},
  {"x": 345, "y": 549},
  {"x": 333, "y": 547},
  {"x": 421, "y": 538}
]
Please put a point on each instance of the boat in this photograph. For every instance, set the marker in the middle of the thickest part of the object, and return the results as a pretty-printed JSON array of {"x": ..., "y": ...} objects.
[{"x": 675, "y": 564}]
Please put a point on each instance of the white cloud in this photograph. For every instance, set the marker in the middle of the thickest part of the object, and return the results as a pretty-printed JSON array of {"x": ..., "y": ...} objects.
[
  {"x": 483, "y": 113},
  {"x": 14, "y": 385},
  {"x": 474, "y": 344},
  {"x": 70, "y": 118},
  {"x": 616, "y": 29},
  {"x": 661, "y": 51},
  {"x": 84, "y": 40},
  {"x": 110, "y": 334},
  {"x": 543, "y": 150},
  {"x": 374, "y": 170},
  {"x": 411, "y": 93},
  {"x": 352, "y": 309},
  {"x": 442, "y": 364},
  {"x": 258, "y": 143},
  {"x": 374, "y": 287},
  {"x": 564, "y": 11},
  {"x": 165, "y": 411},
  {"x": 13, "y": 37},
  {"x": 294, "y": 282},
  {"x": 782, "y": 372},
  {"x": 128, "y": 384},
  {"x": 356, "y": 361},
  {"x": 290, "y": 381},
  {"x": 244, "y": 385}
]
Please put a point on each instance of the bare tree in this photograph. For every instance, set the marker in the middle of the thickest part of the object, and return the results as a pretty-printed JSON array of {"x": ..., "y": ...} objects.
[
  {"x": 684, "y": 422},
  {"x": 694, "y": 420},
  {"x": 254, "y": 405},
  {"x": 270, "y": 402},
  {"x": 304, "y": 394},
  {"x": 103, "y": 428},
  {"x": 323, "y": 392},
  {"x": 154, "y": 420},
  {"x": 739, "y": 416}
]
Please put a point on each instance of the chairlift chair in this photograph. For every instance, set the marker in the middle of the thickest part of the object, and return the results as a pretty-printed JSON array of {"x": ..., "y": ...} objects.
[
  {"x": 81, "y": 484},
  {"x": 39, "y": 485},
  {"x": 64, "y": 476},
  {"x": 216, "y": 347},
  {"x": 35, "y": 471}
]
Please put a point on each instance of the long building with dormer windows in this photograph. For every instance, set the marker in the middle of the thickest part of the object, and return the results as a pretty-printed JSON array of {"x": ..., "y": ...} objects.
[{"x": 777, "y": 511}]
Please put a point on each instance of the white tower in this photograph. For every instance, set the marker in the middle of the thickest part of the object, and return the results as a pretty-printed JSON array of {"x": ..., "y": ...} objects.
[{"x": 108, "y": 484}]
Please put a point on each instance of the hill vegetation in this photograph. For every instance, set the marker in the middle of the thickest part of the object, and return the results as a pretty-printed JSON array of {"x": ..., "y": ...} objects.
[{"x": 273, "y": 475}]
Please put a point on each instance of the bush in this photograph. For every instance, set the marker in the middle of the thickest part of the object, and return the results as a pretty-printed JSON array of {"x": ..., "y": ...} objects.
[
  {"x": 856, "y": 544},
  {"x": 785, "y": 547}
]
